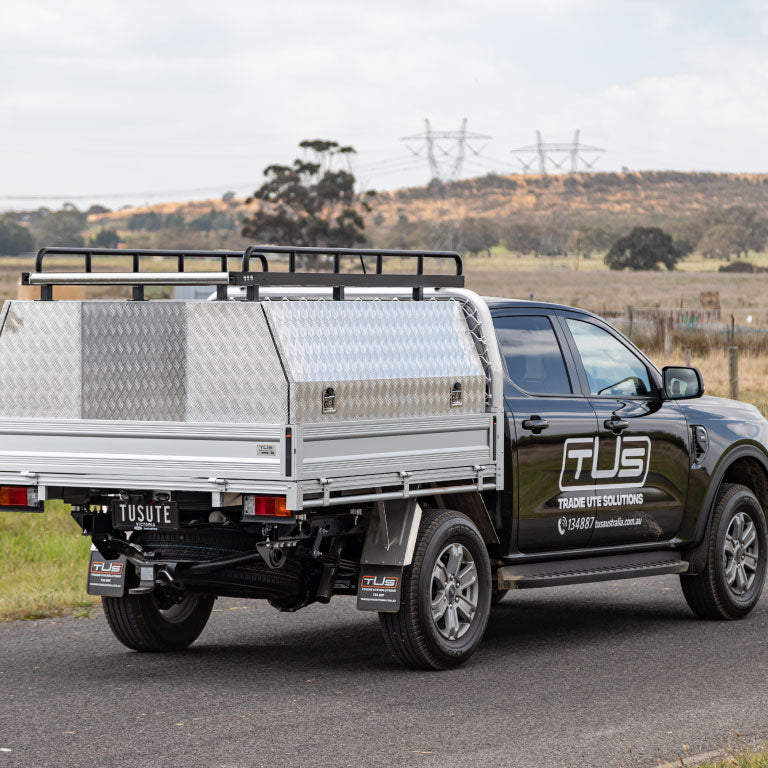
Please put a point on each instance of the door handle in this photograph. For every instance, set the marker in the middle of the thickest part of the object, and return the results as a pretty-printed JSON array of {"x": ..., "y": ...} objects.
[
  {"x": 616, "y": 425},
  {"x": 535, "y": 424}
]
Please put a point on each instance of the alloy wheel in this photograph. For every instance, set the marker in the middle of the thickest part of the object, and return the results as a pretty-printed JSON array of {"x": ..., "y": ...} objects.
[
  {"x": 455, "y": 591},
  {"x": 741, "y": 553}
]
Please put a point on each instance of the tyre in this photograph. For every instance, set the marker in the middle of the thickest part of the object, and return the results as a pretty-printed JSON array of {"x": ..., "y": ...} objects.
[
  {"x": 445, "y": 597},
  {"x": 732, "y": 580},
  {"x": 166, "y": 620},
  {"x": 158, "y": 621}
]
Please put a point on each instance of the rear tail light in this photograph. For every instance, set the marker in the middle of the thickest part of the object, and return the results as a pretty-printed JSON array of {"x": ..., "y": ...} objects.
[
  {"x": 265, "y": 506},
  {"x": 14, "y": 496}
]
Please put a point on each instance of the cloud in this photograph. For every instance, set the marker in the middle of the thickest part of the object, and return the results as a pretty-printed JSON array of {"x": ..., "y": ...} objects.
[{"x": 120, "y": 93}]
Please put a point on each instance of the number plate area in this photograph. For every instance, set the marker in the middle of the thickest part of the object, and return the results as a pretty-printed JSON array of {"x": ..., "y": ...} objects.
[{"x": 145, "y": 515}]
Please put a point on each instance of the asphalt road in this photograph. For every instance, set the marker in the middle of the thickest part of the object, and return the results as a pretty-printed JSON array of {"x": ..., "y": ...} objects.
[{"x": 598, "y": 675}]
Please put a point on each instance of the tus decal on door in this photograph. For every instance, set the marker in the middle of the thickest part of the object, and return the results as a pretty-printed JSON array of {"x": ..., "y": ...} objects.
[{"x": 626, "y": 468}]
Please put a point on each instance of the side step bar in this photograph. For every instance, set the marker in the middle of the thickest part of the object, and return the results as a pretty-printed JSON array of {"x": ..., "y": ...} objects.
[{"x": 554, "y": 574}]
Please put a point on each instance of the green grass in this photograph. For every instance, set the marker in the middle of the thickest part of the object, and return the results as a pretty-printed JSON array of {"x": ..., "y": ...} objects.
[
  {"x": 745, "y": 759},
  {"x": 43, "y": 565}
]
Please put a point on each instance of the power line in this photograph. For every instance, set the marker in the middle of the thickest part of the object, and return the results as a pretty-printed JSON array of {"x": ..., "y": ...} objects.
[
  {"x": 556, "y": 155},
  {"x": 444, "y": 151},
  {"x": 112, "y": 195}
]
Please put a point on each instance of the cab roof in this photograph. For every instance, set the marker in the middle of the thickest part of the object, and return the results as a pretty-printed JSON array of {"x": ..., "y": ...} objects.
[{"x": 495, "y": 302}]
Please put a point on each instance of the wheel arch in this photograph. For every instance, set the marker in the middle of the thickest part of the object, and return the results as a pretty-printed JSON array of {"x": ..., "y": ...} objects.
[
  {"x": 745, "y": 465},
  {"x": 474, "y": 507}
]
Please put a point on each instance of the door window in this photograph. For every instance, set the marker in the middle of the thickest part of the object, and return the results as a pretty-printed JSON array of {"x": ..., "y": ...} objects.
[
  {"x": 611, "y": 368},
  {"x": 532, "y": 354}
]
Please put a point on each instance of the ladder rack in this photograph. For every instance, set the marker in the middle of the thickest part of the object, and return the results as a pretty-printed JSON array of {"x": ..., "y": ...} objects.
[{"x": 245, "y": 276}]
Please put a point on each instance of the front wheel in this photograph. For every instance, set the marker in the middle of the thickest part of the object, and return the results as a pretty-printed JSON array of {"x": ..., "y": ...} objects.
[
  {"x": 446, "y": 595},
  {"x": 159, "y": 621},
  {"x": 732, "y": 580}
]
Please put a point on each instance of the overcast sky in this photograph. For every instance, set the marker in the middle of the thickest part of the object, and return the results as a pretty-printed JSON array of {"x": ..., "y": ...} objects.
[{"x": 152, "y": 100}]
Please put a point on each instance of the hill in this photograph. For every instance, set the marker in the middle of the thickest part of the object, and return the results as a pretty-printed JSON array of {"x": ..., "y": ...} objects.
[
  {"x": 644, "y": 194},
  {"x": 615, "y": 201}
]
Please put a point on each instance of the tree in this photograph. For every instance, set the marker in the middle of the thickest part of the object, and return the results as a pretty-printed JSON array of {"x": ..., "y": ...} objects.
[
  {"x": 478, "y": 234},
  {"x": 104, "y": 238},
  {"x": 150, "y": 220},
  {"x": 590, "y": 237},
  {"x": 311, "y": 202},
  {"x": 62, "y": 227},
  {"x": 733, "y": 231},
  {"x": 408, "y": 234},
  {"x": 721, "y": 241},
  {"x": 14, "y": 238},
  {"x": 97, "y": 209},
  {"x": 643, "y": 248},
  {"x": 522, "y": 237}
]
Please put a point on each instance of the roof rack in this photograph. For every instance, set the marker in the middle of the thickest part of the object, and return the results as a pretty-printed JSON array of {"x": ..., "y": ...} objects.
[
  {"x": 338, "y": 280},
  {"x": 245, "y": 277},
  {"x": 135, "y": 277}
]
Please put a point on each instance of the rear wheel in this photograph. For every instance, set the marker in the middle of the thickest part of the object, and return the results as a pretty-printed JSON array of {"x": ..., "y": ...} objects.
[
  {"x": 732, "y": 580},
  {"x": 446, "y": 595},
  {"x": 160, "y": 621},
  {"x": 169, "y": 620}
]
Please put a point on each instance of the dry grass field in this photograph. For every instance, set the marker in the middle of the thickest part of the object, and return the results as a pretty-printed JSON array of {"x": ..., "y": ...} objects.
[
  {"x": 604, "y": 290},
  {"x": 753, "y": 373},
  {"x": 572, "y": 280}
]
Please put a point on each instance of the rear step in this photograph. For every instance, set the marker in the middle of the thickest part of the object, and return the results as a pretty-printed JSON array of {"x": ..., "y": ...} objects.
[{"x": 553, "y": 574}]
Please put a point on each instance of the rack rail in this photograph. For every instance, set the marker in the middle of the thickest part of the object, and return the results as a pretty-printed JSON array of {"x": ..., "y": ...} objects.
[{"x": 251, "y": 280}]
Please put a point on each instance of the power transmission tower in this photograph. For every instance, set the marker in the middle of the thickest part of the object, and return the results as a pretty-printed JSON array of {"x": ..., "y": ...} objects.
[
  {"x": 554, "y": 155},
  {"x": 445, "y": 150}
]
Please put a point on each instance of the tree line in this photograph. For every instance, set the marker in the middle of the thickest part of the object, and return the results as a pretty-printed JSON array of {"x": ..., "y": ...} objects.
[
  {"x": 25, "y": 231},
  {"x": 719, "y": 234}
]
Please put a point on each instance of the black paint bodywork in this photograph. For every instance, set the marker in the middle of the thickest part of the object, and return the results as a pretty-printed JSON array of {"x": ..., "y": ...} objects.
[{"x": 680, "y": 487}]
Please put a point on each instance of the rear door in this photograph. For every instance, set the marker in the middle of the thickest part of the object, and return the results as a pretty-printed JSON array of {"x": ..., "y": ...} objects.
[
  {"x": 640, "y": 460},
  {"x": 545, "y": 410}
]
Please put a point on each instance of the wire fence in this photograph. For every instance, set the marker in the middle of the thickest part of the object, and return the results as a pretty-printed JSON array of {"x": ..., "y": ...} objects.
[{"x": 696, "y": 329}]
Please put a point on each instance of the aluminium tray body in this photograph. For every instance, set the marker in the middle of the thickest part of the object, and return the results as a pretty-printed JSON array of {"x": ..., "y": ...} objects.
[{"x": 231, "y": 396}]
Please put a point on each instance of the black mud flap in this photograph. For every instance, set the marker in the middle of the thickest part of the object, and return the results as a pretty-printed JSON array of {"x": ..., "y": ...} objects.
[
  {"x": 379, "y": 588},
  {"x": 106, "y": 577}
]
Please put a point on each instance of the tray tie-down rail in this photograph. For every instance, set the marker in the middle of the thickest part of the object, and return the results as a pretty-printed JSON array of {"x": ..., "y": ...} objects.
[{"x": 369, "y": 260}]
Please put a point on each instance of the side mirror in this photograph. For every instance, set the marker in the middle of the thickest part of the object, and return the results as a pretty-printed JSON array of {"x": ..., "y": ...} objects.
[{"x": 681, "y": 383}]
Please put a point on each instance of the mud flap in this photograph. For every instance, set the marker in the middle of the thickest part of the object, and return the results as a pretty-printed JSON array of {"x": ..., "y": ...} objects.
[
  {"x": 379, "y": 588},
  {"x": 106, "y": 577},
  {"x": 388, "y": 548}
]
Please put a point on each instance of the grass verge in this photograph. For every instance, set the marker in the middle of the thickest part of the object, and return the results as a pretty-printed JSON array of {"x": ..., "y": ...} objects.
[
  {"x": 44, "y": 565},
  {"x": 742, "y": 760},
  {"x": 731, "y": 758}
]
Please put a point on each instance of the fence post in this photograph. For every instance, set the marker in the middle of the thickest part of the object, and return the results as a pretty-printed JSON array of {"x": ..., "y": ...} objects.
[
  {"x": 629, "y": 321},
  {"x": 669, "y": 332},
  {"x": 733, "y": 372},
  {"x": 688, "y": 357}
]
